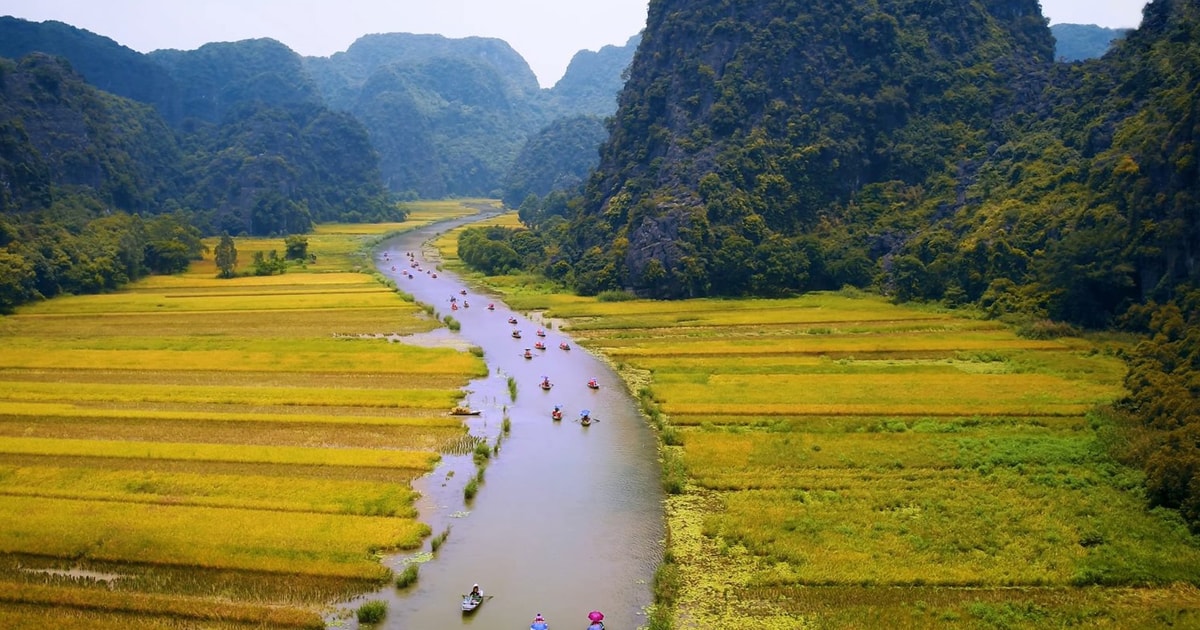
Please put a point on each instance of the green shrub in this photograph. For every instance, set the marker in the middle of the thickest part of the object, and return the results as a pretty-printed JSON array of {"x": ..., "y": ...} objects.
[
  {"x": 615, "y": 296},
  {"x": 372, "y": 612},
  {"x": 482, "y": 453},
  {"x": 407, "y": 577},
  {"x": 437, "y": 541}
]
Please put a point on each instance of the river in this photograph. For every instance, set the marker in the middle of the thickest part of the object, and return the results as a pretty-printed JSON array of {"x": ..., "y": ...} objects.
[{"x": 569, "y": 518}]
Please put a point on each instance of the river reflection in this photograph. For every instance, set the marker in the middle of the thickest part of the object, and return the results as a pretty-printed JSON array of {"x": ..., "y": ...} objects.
[{"x": 569, "y": 518}]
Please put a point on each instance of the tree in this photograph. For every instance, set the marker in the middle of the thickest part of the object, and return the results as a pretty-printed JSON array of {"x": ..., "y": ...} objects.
[
  {"x": 226, "y": 257},
  {"x": 296, "y": 247}
]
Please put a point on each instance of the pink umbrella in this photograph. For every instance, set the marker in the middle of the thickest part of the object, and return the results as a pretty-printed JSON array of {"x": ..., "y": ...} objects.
[{"x": 596, "y": 615}]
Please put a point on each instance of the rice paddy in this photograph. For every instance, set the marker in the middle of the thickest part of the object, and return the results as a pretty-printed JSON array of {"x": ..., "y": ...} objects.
[
  {"x": 845, "y": 462},
  {"x": 195, "y": 452}
]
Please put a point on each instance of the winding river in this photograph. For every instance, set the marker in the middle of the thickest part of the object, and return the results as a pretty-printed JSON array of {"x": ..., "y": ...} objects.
[{"x": 569, "y": 518}]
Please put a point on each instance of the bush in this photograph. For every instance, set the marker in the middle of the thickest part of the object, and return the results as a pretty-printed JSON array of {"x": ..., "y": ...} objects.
[
  {"x": 1046, "y": 329},
  {"x": 437, "y": 541},
  {"x": 372, "y": 612},
  {"x": 482, "y": 453},
  {"x": 615, "y": 296},
  {"x": 407, "y": 577}
]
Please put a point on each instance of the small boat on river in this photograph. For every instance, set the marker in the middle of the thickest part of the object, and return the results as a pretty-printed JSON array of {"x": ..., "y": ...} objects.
[{"x": 464, "y": 411}]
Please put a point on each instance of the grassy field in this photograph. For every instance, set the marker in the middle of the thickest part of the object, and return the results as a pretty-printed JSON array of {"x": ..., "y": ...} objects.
[
  {"x": 837, "y": 461},
  {"x": 196, "y": 452}
]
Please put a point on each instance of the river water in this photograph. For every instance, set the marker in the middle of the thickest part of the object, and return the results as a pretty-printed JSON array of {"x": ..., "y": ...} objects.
[{"x": 569, "y": 518}]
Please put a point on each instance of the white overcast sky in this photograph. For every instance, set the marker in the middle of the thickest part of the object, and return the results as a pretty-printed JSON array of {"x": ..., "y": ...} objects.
[{"x": 547, "y": 33}]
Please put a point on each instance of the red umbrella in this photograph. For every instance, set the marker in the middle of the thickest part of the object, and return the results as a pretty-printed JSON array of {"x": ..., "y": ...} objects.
[{"x": 596, "y": 615}]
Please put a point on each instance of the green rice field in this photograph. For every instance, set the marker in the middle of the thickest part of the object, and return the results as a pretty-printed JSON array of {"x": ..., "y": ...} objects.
[
  {"x": 838, "y": 461},
  {"x": 205, "y": 453}
]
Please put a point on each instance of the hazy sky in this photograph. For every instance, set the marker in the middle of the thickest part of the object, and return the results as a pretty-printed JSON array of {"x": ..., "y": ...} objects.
[{"x": 545, "y": 32}]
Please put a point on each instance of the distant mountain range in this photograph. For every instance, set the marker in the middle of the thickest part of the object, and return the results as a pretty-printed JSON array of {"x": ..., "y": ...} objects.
[
  {"x": 447, "y": 116},
  {"x": 1076, "y": 42}
]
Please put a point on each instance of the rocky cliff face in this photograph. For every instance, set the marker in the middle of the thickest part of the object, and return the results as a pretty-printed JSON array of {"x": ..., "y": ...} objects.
[{"x": 774, "y": 112}]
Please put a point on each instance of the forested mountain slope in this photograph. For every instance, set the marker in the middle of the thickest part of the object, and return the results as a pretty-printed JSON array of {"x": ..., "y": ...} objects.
[
  {"x": 255, "y": 149},
  {"x": 217, "y": 78},
  {"x": 934, "y": 150},
  {"x": 448, "y": 116},
  {"x": 592, "y": 81},
  {"x": 102, "y": 61},
  {"x": 745, "y": 132}
]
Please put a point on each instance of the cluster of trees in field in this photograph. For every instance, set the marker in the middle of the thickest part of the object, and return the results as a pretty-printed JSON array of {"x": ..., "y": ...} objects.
[
  {"x": 75, "y": 249},
  {"x": 1164, "y": 404}
]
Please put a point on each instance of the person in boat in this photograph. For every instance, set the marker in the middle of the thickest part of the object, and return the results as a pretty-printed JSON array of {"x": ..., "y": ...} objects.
[
  {"x": 476, "y": 593},
  {"x": 528, "y": 354},
  {"x": 539, "y": 623},
  {"x": 557, "y": 413},
  {"x": 593, "y": 384},
  {"x": 546, "y": 384}
]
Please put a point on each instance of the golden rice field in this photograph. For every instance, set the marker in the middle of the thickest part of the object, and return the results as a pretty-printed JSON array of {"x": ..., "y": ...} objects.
[
  {"x": 205, "y": 453},
  {"x": 843, "y": 462},
  {"x": 846, "y": 462}
]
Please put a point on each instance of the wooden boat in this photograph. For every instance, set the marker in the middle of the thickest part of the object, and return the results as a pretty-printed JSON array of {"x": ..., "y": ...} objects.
[
  {"x": 464, "y": 411},
  {"x": 470, "y": 603},
  {"x": 516, "y": 334},
  {"x": 556, "y": 414},
  {"x": 564, "y": 346},
  {"x": 539, "y": 345}
]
